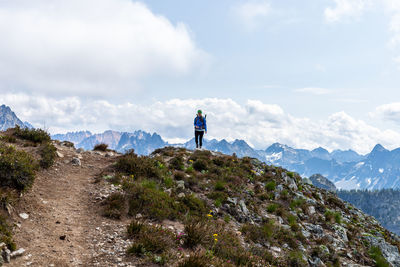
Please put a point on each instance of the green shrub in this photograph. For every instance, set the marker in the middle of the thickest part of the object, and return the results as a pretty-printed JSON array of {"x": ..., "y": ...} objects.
[
  {"x": 262, "y": 233},
  {"x": 333, "y": 216},
  {"x": 299, "y": 202},
  {"x": 114, "y": 206},
  {"x": 194, "y": 206},
  {"x": 176, "y": 163},
  {"x": 376, "y": 254},
  {"x": 200, "y": 165},
  {"x": 272, "y": 208},
  {"x": 33, "y": 135},
  {"x": 152, "y": 239},
  {"x": 8, "y": 139},
  {"x": 168, "y": 182},
  {"x": 144, "y": 167},
  {"x": 196, "y": 260},
  {"x": 196, "y": 233},
  {"x": 6, "y": 234},
  {"x": 134, "y": 228},
  {"x": 219, "y": 186},
  {"x": 151, "y": 202},
  {"x": 17, "y": 168},
  {"x": 290, "y": 174},
  {"x": 48, "y": 155},
  {"x": 295, "y": 259},
  {"x": 100, "y": 147},
  {"x": 270, "y": 186}
]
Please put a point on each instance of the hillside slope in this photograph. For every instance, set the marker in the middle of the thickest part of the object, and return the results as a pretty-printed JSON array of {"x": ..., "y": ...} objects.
[{"x": 177, "y": 207}]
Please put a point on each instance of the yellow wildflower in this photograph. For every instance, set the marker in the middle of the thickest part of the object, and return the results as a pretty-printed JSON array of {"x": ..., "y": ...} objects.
[
  {"x": 215, "y": 235},
  {"x": 216, "y": 240},
  {"x": 209, "y": 215}
]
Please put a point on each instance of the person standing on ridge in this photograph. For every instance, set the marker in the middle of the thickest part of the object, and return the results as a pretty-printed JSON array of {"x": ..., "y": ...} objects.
[{"x": 200, "y": 128}]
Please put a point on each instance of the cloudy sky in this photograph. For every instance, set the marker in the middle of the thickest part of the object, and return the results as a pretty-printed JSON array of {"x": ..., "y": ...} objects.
[{"x": 305, "y": 73}]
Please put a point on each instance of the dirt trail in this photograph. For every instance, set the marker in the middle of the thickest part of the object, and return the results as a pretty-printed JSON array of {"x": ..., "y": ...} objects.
[{"x": 65, "y": 226}]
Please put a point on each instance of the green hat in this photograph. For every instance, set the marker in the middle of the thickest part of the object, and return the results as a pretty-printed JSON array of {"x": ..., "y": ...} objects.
[{"x": 199, "y": 111}]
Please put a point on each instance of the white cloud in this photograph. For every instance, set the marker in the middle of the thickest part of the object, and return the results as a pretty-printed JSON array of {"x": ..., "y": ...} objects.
[
  {"x": 345, "y": 9},
  {"x": 314, "y": 90},
  {"x": 89, "y": 47},
  {"x": 390, "y": 112},
  {"x": 251, "y": 12},
  {"x": 256, "y": 122}
]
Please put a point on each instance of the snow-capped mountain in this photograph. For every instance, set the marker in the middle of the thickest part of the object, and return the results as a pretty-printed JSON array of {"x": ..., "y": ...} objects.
[
  {"x": 346, "y": 169},
  {"x": 8, "y": 119}
]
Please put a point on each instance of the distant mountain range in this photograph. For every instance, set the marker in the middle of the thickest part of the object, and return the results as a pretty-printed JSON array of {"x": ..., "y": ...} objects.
[
  {"x": 346, "y": 169},
  {"x": 8, "y": 119}
]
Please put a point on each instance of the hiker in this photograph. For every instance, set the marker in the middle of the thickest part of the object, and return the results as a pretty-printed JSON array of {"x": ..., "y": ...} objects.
[{"x": 200, "y": 127}]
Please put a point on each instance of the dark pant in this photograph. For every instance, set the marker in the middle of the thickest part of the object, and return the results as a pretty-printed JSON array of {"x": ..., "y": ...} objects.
[{"x": 198, "y": 136}]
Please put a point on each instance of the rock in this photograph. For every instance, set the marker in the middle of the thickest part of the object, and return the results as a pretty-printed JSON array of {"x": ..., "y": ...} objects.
[
  {"x": 109, "y": 154},
  {"x": 76, "y": 162},
  {"x": 389, "y": 252},
  {"x": 316, "y": 262},
  {"x": 306, "y": 181},
  {"x": 138, "y": 216},
  {"x": 232, "y": 200},
  {"x": 6, "y": 255},
  {"x": 181, "y": 195},
  {"x": 341, "y": 232},
  {"x": 311, "y": 210},
  {"x": 180, "y": 185},
  {"x": 17, "y": 253},
  {"x": 80, "y": 150},
  {"x": 315, "y": 229},
  {"x": 2, "y": 245},
  {"x": 59, "y": 154},
  {"x": 24, "y": 216},
  {"x": 279, "y": 188},
  {"x": 243, "y": 207}
]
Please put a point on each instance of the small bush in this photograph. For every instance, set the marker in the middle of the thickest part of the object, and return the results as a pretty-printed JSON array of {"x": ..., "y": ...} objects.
[
  {"x": 114, "y": 206},
  {"x": 196, "y": 260},
  {"x": 34, "y": 135},
  {"x": 270, "y": 186},
  {"x": 200, "y": 165},
  {"x": 48, "y": 155},
  {"x": 152, "y": 239},
  {"x": 8, "y": 139},
  {"x": 145, "y": 167},
  {"x": 295, "y": 259},
  {"x": 100, "y": 147},
  {"x": 6, "y": 234},
  {"x": 152, "y": 202},
  {"x": 196, "y": 233},
  {"x": 333, "y": 216},
  {"x": 17, "y": 168},
  {"x": 272, "y": 208},
  {"x": 376, "y": 254},
  {"x": 176, "y": 163},
  {"x": 194, "y": 206},
  {"x": 134, "y": 228},
  {"x": 219, "y": 186},
  {"x": 290, "y": 174}
]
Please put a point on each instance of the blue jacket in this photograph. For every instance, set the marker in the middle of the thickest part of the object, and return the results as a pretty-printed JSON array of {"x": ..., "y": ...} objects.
[{"x": 200, "y": 123}]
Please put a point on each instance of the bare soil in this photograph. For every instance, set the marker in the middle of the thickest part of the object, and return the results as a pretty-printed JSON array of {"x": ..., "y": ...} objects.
[{"x": 65, "y": 225}]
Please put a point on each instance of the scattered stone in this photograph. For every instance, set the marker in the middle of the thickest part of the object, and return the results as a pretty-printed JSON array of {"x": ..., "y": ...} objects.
[
  {"x": 24, "y": 216},
  {"x": 59, "y": 154},
  {"x": 63, "y": 237},
  {"x": 76, "y": 162},
  {"x": 80, "y": 150},
  {"x": 181, "y": 195},
  {"x": 180, "y": 184},
  {"x": 6, "y": 253},
  {"x": 17, "y": 253},
  {"x": 311, "y": 210},
  {"x": 138, "y": 216}
]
